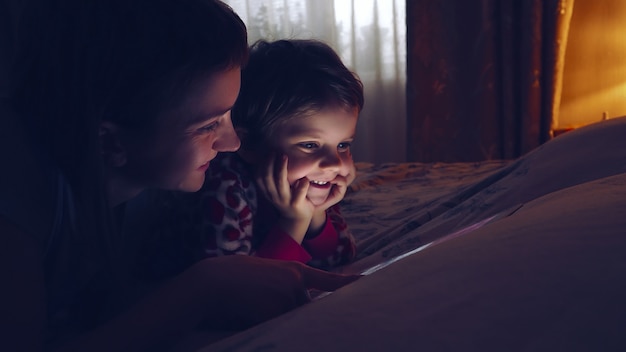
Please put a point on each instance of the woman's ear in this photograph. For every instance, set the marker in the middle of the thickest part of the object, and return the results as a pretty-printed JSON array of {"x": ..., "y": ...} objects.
[{"x": 111, "y": 146}]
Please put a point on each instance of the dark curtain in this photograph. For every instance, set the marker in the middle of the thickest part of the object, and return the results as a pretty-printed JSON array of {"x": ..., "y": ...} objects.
[{"x": 484, "y": 76}]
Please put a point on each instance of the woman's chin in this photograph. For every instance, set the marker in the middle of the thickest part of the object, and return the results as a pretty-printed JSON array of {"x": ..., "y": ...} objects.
[{"x": 192, "y": 184}]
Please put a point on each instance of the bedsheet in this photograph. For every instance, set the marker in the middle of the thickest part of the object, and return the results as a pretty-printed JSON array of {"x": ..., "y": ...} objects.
[{"x": 550, "y": 277}]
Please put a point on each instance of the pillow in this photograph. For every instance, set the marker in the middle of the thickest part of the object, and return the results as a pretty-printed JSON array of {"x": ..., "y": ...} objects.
[{"x": 589, "y": 153}]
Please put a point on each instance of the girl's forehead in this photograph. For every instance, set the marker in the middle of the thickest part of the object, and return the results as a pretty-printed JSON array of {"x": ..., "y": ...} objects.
[{"x": 322, "y": 123}]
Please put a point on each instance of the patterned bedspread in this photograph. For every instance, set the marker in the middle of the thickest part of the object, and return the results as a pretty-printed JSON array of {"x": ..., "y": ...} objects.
[{"x": 387, "y": 201}]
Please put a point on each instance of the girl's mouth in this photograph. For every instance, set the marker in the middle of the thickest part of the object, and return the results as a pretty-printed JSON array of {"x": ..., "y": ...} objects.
[{"x": 320, "y": 184}]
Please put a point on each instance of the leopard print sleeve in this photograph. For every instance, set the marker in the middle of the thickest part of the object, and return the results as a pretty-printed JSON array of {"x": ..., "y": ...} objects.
[{"x": 228, "y": 200}]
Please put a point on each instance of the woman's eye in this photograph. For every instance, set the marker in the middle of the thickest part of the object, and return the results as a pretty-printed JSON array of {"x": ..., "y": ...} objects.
[
  {"x": 209, "y": 128},
  {"x": 308, "y": 145},
  {"x": 344, "y": 146}
]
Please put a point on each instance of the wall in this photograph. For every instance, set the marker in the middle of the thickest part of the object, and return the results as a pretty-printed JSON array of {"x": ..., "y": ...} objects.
[{"x": 594, "y": 79}]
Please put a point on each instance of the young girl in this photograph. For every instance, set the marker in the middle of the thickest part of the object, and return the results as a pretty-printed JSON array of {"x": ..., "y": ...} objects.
[
  {"x": 277, "y": 197},
  {"x": 110, "y": 98}
]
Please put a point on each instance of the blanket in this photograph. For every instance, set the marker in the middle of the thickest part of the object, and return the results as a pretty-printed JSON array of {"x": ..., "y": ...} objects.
[{"x": 541, "y": 268}]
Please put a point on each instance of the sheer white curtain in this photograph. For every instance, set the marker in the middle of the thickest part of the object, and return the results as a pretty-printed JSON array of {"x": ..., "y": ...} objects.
[{"x": 370, "y": 37}]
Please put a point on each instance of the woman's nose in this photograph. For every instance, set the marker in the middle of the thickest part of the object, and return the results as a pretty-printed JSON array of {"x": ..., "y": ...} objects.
[{"x": 227, "y": 141}]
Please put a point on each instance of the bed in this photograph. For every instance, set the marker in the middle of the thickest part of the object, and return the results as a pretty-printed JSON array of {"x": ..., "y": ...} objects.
[{"x": 503, "y": 255}]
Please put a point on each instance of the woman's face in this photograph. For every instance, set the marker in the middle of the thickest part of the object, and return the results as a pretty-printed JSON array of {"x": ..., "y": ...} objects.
[{"x": 187, "y": 138}]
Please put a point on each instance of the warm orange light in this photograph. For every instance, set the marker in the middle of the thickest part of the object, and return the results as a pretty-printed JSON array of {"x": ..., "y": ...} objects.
[{"x": 594, "y": 77}]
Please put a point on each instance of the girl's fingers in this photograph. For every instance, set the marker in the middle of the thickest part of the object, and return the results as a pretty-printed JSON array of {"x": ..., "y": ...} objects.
[
  {"x": 334, "y": 197},
  {"x": 273, "y": 180},
  {"x": 339, "y": 189},
  {"x": 300, "y": 188},
  {"x": 282, "y": 184}
]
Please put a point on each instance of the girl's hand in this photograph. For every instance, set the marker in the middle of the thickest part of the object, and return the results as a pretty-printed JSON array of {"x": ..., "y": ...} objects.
[
  {"x": 290, "y": 201},
  {"x": 295, "y": 209}
]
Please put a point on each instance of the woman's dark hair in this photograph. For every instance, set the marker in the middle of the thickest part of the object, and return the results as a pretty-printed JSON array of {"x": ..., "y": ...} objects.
[
  {"x": 81, "y": 62},
  {"x": 118, "y": 60},
  {"x": 291, "y": 78}
]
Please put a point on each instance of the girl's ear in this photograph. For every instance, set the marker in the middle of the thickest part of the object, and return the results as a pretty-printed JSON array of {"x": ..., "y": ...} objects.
[{"x": 111, "y": 146}]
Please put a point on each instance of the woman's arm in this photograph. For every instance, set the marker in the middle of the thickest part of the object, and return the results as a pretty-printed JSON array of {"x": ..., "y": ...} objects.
[{"x": 230, "y": 292}]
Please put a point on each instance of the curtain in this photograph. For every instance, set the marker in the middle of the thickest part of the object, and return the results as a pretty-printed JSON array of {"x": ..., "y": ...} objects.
[
  {"x": 484, "y": 76},
  {"x": 370, "y": 37}
]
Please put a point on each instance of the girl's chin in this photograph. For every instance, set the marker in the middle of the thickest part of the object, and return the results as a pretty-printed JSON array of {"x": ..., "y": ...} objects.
[
  {"x": 317, "y": 199},
  {"x": 318, "y": 203}
]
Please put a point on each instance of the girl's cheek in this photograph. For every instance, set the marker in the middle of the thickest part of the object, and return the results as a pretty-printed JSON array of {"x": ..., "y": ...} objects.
[
  {"x": 291, "y": 175},
  {"x": 347, "y": 158},
  {"x": 295, "y": 171},
  {"x": 348, "y": 164}
]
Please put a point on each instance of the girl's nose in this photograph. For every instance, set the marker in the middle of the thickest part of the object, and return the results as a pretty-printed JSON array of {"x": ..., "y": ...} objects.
[{"x": 332, "y": 161}]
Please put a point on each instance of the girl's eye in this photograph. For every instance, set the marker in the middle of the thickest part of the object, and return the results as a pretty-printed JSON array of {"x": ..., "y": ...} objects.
[
  {"x": 308, "y": 145},
  {"x": 343, "y": 146}
]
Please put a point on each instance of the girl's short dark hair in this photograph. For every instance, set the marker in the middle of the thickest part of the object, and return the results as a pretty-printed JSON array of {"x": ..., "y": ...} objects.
[{"x": 291, "y": 78}]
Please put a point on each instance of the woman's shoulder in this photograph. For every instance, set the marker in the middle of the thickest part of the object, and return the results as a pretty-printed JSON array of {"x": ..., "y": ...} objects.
[
  {"x": 29, "y": 185},
  {"x": 230, "y": 162}
]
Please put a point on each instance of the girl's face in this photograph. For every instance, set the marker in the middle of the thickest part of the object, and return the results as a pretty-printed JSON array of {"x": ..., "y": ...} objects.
[
  {"x": 318, "y": 149},
  {"x": 187, "y": 138}
]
